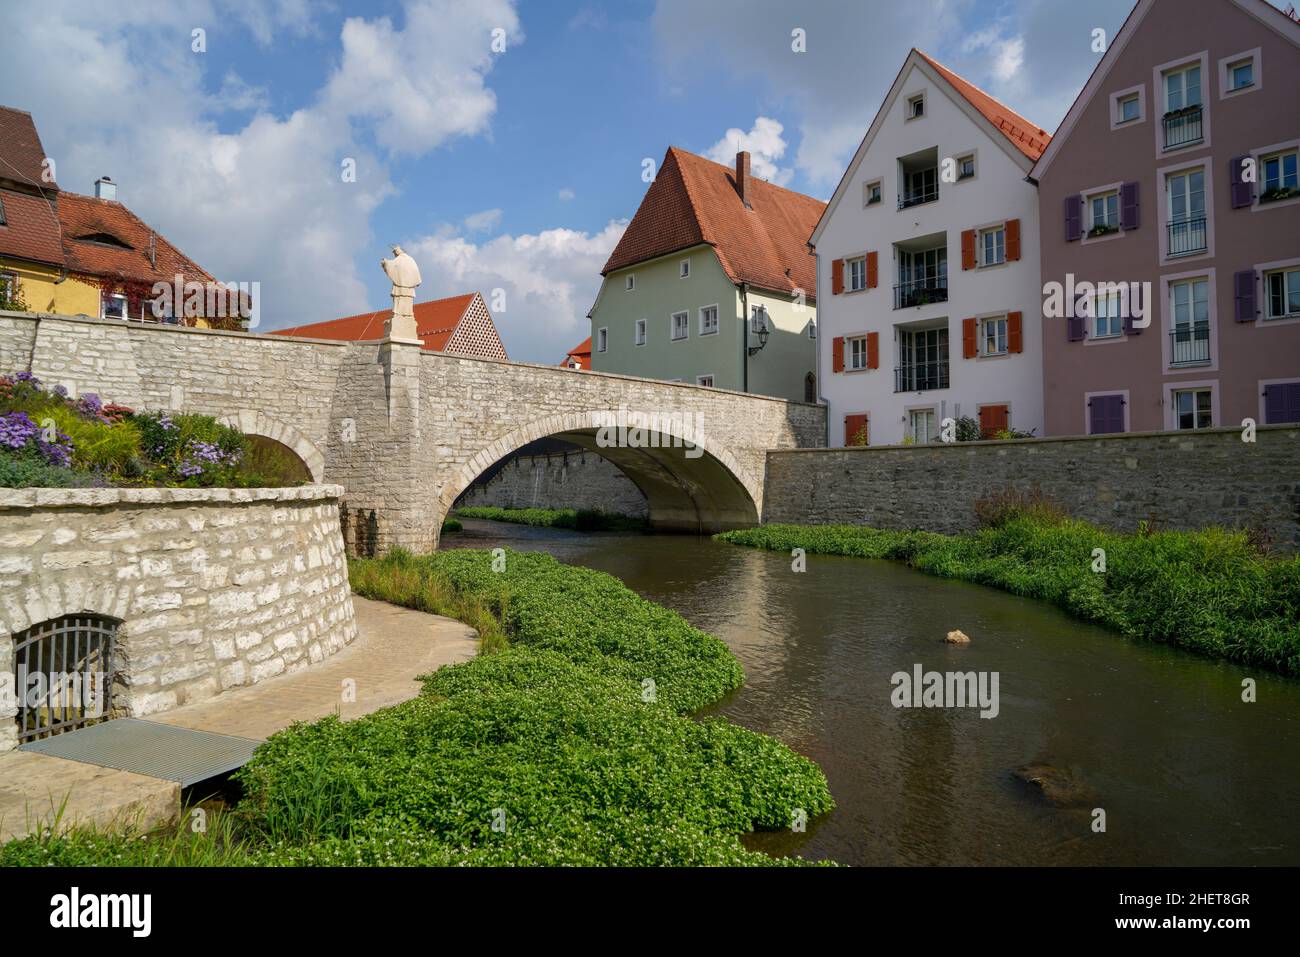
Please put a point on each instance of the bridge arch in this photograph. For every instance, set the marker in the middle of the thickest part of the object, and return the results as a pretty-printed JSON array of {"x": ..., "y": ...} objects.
[
  {"x": 258, "y": 423},
  {"x": 710, "y": 491}
]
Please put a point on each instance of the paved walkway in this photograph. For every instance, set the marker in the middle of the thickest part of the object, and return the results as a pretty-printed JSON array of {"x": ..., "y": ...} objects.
[{"x": 395, "y": 646}]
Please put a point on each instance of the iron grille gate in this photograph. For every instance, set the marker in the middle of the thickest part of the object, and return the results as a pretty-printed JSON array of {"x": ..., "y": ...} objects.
[{"x": 64, "y": 671}]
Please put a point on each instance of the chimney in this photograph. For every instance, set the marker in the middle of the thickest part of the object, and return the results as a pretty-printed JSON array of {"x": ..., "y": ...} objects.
[
  {"x": 105, "y": 188},
  {"x": 742, "y": 175}
]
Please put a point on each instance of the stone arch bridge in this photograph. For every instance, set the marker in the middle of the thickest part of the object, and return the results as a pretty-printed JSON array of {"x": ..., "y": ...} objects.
[{"x": 405, "y": 431}]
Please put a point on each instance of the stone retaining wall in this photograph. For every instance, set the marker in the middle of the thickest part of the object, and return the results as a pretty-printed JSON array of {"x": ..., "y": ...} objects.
[
  {"x": 215, "y": 588},
  {"x": 1181, "y": 480},
  {"x": 577, "y": 480}
]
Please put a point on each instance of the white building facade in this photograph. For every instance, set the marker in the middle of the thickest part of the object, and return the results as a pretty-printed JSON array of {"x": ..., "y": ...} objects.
[{"x": 928, "y": 281}]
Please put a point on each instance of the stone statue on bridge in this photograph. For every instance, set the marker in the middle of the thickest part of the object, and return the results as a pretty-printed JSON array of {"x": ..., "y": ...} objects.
[{"x": 405, "y": 276}]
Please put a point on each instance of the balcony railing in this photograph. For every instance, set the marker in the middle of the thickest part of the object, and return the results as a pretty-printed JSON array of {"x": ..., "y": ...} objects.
[
  {"x": 1186, "y": 236},
  {"x": 921, "y": 376},
  {"x": 1183, "y": 127},
  {"x": 1189, "y": 344},
  {"x": 921, "y": 292},
  {"x": 917, "y": 197}
]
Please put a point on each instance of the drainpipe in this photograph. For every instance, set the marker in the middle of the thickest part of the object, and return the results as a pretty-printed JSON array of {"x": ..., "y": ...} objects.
[{"x": 744, "y": 336}]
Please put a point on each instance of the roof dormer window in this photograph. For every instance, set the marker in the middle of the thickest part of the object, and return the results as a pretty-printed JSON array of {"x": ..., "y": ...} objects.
[{"x": 104, "y": 239}]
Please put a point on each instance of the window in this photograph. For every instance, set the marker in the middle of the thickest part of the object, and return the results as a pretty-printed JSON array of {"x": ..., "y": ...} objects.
[
  {"x": 3, "y": 221},
  {"x": 1241, "y": 74},
  {"x": 1185, "y": 194},
  {"x": 1279, "y": 179},
  {"x": 708, "y": 320},
  {"x": 629, "y": 282},
  {"x": 857, "y": 353},
  {"x": 1283, "y": 288},
  {"x": 916, "y": 106},
  {"x": 681, "y": 325},
  {"x": 602, "y": 340},
  {"x": 115, "y": 307},
  {"x": 965, "y": 166},
  {"x": 921, "y": 426},
  {"x": 1103, "y": 213},
  {"x": 640, "y": 332},
  {"x": 1190, "y": 306},
  {"x": 8, "y": 288},
  {"x": 993, "y": 336},
  {"x": 993, "y": 246},
  {"x": 1107, "y": 321},
  {"x": 1130, "y": 108},
  {"x": 923, "y": 358},
  {"x": 1193, "y": 408},
  {"x": 871, "y": 193},
  {"x": 812, "y": 330},
  {"x": 704, "y": 380},
  {"x": 920, "y": 186},
  {"x": 684, "y": 269},
  {"x": 857, "y": 274},
  {"x": 1183, "y": 88}
]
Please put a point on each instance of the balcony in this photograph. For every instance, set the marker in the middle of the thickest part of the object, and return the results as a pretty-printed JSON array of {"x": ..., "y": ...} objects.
[
  {"x": 1183, "y": 127},
  {"x": 1186, "y": 237},
  {"x": 1189, "y": 344},
  {"x": 927, "y": 194},
  {"x": 921, "y": 376},
  {"x": 921, "y": 292}
]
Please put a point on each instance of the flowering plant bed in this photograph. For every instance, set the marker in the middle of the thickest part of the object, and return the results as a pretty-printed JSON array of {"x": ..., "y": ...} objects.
[{"x": 48, "y": 438}]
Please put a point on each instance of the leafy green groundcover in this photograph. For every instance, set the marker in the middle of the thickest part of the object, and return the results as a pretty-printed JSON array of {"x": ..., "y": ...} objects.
[
  {"x": 1207, "y": 591},
  {"x": 582, "y": 520},
  {"x": 554, "y": 736}
]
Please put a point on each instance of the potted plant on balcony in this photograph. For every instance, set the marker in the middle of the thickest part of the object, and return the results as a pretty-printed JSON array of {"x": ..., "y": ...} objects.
[
  {"x": 1183, "y": 111},
  {"x": 1102, "y": 229},
  {"x": 1275, "y": 193}
]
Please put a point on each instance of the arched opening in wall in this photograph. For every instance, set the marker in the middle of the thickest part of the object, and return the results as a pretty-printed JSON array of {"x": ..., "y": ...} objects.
[
  {"x": 274, "y": 462},
  {"x": 810, "y": 388},
  {"x": 65, "y": 671}
]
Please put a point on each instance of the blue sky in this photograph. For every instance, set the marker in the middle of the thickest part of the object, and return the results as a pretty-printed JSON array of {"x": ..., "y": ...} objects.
[{"x": 512, "y": 170}]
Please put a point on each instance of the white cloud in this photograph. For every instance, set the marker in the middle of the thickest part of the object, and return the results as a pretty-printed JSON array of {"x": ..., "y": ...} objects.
[
  {"x": 550, "y": 280},
  {"x": 765, "y": 144},
  {"x": 482, "y": 222},
  {"x": 566, "y": 195}
]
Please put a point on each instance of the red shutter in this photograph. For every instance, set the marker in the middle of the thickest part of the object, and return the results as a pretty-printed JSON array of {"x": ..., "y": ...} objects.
[
  {"x": 993, "y": 419},
  {"x": 968, "y": 249},
  {"x": 853, "y": 424},
  {"x": 873, "y": 350},
  {"x": 837, "y": 354},
  {"x": 1015, "y": 340},
  {"x": 1013, "y": 240},
  {"x": 969, "y": 338},
  {"x": 837, "y": 277},
  {"x": 871, "y": 270}
]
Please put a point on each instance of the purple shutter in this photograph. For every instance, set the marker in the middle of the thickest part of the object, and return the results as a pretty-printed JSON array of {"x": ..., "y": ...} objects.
[
  {"x": 1075, "y": 329},
  {"x": 1106, "y": 414},
  {"x": 1243, "y": 284},
  {"x": 1128, "y": 202},
  {"x": 1073, "y": 217},
  {"x": 1243, "y": 193},
  {"x": 1130, "y": 329},
  {"x": 1281, "y": 403}
]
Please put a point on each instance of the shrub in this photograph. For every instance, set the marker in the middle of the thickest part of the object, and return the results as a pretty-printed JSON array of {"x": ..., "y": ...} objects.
[
  {"x": 998, "y": 508},
  {"x": 583, "y": 520},
  {"x": 190, "y": 449}
]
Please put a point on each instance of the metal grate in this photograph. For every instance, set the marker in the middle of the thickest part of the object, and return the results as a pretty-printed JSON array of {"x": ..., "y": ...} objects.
[
  {"x": 147, "y": 747},
  {"x": 64, "y": 670}
]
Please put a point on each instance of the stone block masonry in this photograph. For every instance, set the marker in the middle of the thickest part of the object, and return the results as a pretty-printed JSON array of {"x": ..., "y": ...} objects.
[
  {"x": 577, "y": 480},
  {"x": 214, "y": 588},
  {"x": 1179, "y": 480}
]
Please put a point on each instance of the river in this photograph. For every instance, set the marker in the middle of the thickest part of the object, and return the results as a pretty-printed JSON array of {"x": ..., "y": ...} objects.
[{"x": 1158, "y": 739}]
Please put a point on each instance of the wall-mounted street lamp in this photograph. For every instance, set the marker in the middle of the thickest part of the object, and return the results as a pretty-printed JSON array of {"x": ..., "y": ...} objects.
[{"x": 759, "y": 326}]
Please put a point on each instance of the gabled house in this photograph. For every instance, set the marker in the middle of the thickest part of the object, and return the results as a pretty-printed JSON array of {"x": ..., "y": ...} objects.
[
  {"x": 460, "y": 325},
  {"x": 1175, "y": 172},
  {"x": 927, "y": 268},
  {"x": 712, "y": 283},
  {"x": 579, "y": 357}
]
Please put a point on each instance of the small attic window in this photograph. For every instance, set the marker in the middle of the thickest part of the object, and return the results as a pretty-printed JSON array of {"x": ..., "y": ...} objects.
[
  {"x": 916, "y": 106},
  {"x": 3, "y": 221},
  {"x": 104, "y": 239}
]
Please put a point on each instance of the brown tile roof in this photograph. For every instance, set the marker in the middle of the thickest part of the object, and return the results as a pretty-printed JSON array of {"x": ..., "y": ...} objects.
[
  {"x": 29, "y": 228},
  {"x": 1024, "y": 135},
  {"x": 435, "y": 321},
  {"x": 693, "y": 200},
  {"x": 83, "y": 216},
  {"x": 581, "y": 353},
  {"x": 21, "y": 153}
]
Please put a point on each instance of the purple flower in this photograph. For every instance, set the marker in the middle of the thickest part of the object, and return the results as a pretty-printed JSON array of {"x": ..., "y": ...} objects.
[
  {"x": 58, "y": 452},
  {"x": 89, "y": 404},
  {"x": 60, "y": 391},
  {"x": 28, "y": 378},
  {"x": 16, "y": 430}
]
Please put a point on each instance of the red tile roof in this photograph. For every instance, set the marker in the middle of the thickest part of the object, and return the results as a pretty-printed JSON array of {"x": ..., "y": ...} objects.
[
  {"x": 29, "y": 228},
  {"x": 21, "y": 153},
  {"x": 581, "y": 353},
  {"x": 435, "y": 322},
  {"x": 86, "y": 216},
  {"x": 1024, "y": 135},
  {"x": 693, "y": 200}
]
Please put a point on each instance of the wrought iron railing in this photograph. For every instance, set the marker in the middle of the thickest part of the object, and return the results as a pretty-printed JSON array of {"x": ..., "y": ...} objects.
[
  {"x": 1183, "y": 127},
  {"x": 1189, "y": 343},
  {"x": 921, "y": 376},
  {"x": 921, "y": 292},
  {"x": 1187, "y": 236},
  {"x": 917, "y": 197}
]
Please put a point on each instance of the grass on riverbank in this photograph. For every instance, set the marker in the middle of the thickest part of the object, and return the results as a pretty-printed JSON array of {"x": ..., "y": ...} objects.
[
  {"x": 570, "y": 744},
  {"x": 581, "y": 520},
  {"x": 1208, "y": 591}
]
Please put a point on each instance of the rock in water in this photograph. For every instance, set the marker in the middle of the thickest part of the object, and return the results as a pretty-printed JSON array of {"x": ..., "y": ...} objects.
[
  {"x": 957, "y": 637},
  {"x": 1058, "y": 786}
]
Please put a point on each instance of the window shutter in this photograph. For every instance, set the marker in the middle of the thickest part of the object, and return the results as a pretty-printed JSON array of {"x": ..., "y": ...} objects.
[
  {"x": 1013, "y": 240},
  {"x": 837, "y": 277},
  {"x": 1281, "y": 403},
  {"x": 1075, "y": 326},
  {"x": 872, "y": 270},
  {"x": 993, "y": 419},
  {"x": 853, "y": 424},
  {"x": 1243, "y": 193},
  {"x": 1130, "y": 329},
  {"x": 1073, "y": 217},
  {"x": 837, "y": 354},
  {"x": 969, "y": 338},
  {"x": 1243, "y": 284},
  {"x": 968, "y": 249},
  {"x": 873, "y": 350},
  {"x": 1128, "y": 202},
  {"x": 1015, "y": 338}
]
